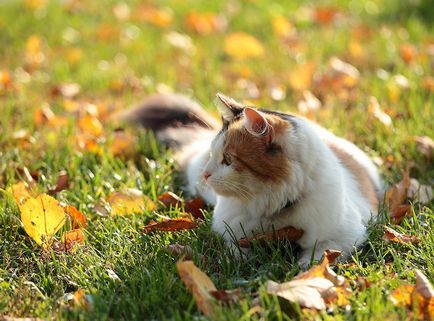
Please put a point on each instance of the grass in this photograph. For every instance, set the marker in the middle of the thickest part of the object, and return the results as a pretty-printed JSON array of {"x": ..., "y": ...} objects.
[{"x": 116, "y": 63}]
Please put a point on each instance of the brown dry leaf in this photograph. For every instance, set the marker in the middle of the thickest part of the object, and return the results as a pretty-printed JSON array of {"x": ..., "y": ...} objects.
[
  {"x": 241, "y": 46},
  {"x": 425, "y": 145},
  {"x": 419, "y": 298},
  {"x": 91, "y": 125},
  {"x": 282, "y": 27},
  {"x": 160, "y": 17},
  {"x": 204, "y": 23},
  {"x": 394, "y": 236},
  {"x": 61, "y": 184},
  {"x": 67, "y": 90},
  {"x": 301, "y": 77},
  {"x": 227, "y": 296},
  {"x": 397, "y": 194},
  {"x": 72, "y": 238},
  {"x": 170, "y": 199},
  {"x": 126, "y": 202},
  {"x": 181, "y": 250},
  {"x": 287, "y": 233},
  {"x": 78, "y": 220},
  {"x": 170, "y": 225},
  {"x": 195, "y": 207},
  {"x": 399, "y": 213},
  {"x": 199, "y": 284},
  {"x": 123, "y": 144},
  {"x": 42, "y": 217}
]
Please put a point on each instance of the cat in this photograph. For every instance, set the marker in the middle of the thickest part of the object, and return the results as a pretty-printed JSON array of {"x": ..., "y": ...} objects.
[{"x": 265, "y": 170}]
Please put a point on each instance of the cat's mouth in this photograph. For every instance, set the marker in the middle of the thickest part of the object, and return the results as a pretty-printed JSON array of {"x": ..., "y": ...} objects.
[{"x": 229, "y": 189}]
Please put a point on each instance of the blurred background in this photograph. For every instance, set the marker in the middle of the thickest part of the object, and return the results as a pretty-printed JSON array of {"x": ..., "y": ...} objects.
[{"x": 363, "y": 68}]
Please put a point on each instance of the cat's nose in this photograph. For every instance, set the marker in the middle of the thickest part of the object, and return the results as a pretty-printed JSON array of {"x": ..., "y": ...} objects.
[{"x": 206, "y": 175}]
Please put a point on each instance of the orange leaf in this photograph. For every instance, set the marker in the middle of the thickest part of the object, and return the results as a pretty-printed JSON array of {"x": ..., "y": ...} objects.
[
  {"x": 91, "y": 125},
  {"x": 73, "y": 237},
  {"x": 78, "y": 219},
  {"x": 407, "y": 52},
  {"x": 287, "y": 233},
  {"x": 325, "y": 15},
  {"x": 241, "y": 45},
  {"x": 123, "y": 144},
  {"x": 394, "y": 236},
  {"x": 199, "y": 284},
  {"x": 170, "y": 225},
  {"x": 158, "y": 17},
  {"x": 204, "y": 23}
]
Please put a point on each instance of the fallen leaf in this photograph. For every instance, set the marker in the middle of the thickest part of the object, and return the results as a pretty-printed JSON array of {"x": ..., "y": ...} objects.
[
  {"x": 195, "y": 207},
  {"x": 300, "y": 78},
  {"x": 241, "y": 45},
  {"x": 419, "y": 298},
  {"x": 375, "y": 110},
  {"x": 324, "y": 15},
  {"x": 126, "y": 202},
  {"x": 199, "y": 284},
  {"x": 91, "y": 125},
  {"x": 71, "y": 238},
  {"x": 79, "y": 299},
  {"x": 61, "y": 184},
  {"x": 42, "y": 217},
  {"x": 34, "y": 55},
  {"x": 160, "y": 17},
  {"x": 21, "y": 191},
  {"x": 170, "y": 199},
  {"x": 227, "y": 296},
  {"x": 407, "y": 52},
  {"x": 399, "y": 213},
  {"x": 123, "y": 144},
  {"x": 425, "y": 145},
  {"x": 78, "y": 220},
  {"x": 394, "y": 236},
  {"x": 204, "y": 23},
  {"x": 397, "y": 195},
  {"x": 423, "y": 193},
  {"x": 282, "y": 27},
  {"x": 170, "y": 225},
  {"x": 287, "y": 233},
  {"x": 67, "y": 90},
  {"x": 181, "y": 250}
]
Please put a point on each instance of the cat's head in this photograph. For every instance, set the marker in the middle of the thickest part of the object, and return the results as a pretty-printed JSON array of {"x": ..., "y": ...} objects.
[{"x": 249, "y": 153}]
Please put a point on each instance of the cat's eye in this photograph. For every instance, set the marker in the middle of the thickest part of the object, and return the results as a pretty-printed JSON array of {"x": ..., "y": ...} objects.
[{"x": 227, "y": 159}]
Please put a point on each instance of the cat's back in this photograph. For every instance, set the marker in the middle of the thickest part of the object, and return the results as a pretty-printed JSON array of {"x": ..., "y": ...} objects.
[{"x": 356, "y": 162}]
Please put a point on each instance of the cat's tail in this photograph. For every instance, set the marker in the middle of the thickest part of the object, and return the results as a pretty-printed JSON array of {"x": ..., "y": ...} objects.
[{"x": 176, "y": 120}]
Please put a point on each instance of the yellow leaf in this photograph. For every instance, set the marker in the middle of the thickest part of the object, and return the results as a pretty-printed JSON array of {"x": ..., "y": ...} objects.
[
  {"x": 42, "y": 217},
  {"x": 199, "y": 284},
  {"x": 242, "y": 45},
  {"x": 123, "y": 144},
  {"x": 126, "y": 202},
  {"x": 91, "y": 125},
  {"x": 282, "y": 27},
  {"x": 301, "y": 77},
  {"x": 21, "y": 191}
]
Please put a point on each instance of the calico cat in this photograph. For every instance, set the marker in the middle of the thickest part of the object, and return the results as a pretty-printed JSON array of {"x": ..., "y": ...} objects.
[{"x": 265, "y": 170}]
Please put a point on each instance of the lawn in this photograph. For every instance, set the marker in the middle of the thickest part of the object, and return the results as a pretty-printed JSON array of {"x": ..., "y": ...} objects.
[{"x": 364, "y": 69}]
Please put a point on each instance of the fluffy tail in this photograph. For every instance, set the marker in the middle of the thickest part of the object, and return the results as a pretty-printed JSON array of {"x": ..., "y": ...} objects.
[{"x": 176, "y": 120}]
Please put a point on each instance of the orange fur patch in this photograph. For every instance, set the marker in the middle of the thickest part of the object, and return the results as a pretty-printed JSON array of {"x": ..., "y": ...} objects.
[
  {"x": 256, "y": 154},
  {"x": 366, "y": 185}
]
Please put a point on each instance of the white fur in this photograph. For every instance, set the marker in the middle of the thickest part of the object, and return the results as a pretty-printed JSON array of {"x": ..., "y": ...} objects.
[{"x": 331, "y": 210}]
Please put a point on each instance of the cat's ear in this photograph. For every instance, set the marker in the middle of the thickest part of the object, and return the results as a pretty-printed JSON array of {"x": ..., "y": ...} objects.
[
  {"x": 228, "y": 107},
  {"x": 256, "y": 124}
]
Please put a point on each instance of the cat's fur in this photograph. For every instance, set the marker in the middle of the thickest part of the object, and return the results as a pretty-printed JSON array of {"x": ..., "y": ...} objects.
[{"x": 266, "y": 170}]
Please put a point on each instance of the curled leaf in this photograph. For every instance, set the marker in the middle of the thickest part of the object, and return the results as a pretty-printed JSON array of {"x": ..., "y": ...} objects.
[
  {"x": 78, "y": 219},
  {"x": 61, "y": 184},
  {"x": 394, "y": 236},
  {"x": 199, "y": 284},
  {"x": 287, "y": 233},
  {"x": 170, "y": 225}
]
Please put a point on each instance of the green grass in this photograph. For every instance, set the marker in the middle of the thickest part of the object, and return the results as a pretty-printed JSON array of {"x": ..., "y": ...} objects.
[{"x": 34, "y": 281}]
